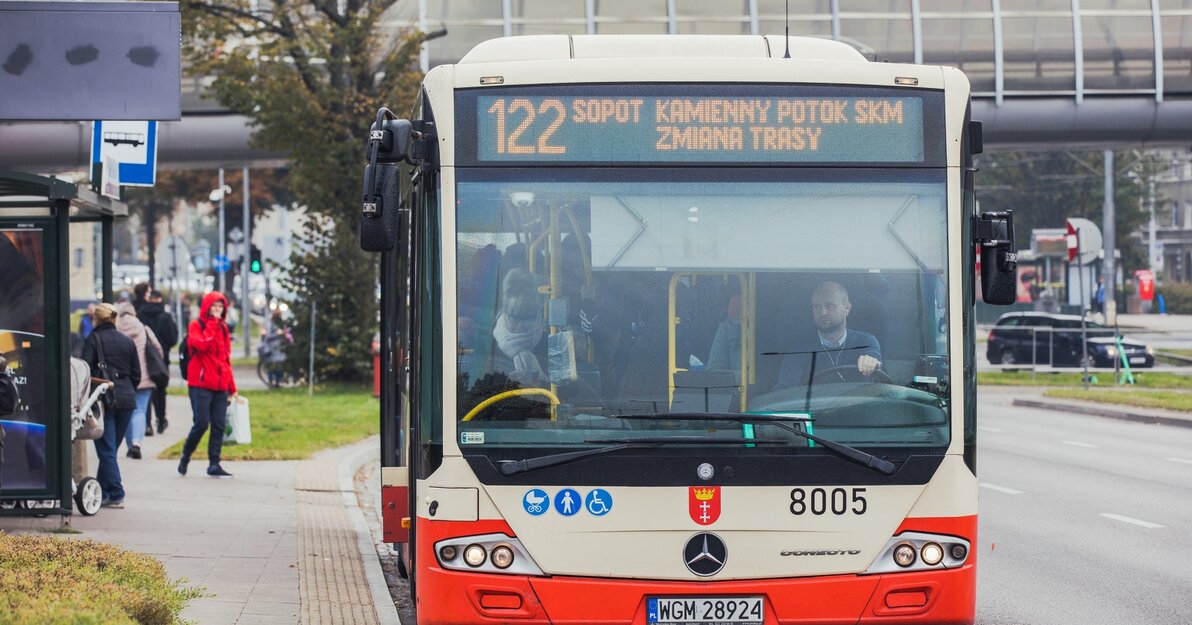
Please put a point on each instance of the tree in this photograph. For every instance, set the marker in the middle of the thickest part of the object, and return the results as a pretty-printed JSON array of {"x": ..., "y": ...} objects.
[
  {"x": 1045, "y": 188},
  {"x": 310, "y": 76}
]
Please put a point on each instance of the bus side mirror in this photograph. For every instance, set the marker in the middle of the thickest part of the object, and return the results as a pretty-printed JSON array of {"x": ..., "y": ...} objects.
[
  {"x": 389, "y": 142},
  {"x": 382, "y": 199},
  {"x": 994, "y": 232}
]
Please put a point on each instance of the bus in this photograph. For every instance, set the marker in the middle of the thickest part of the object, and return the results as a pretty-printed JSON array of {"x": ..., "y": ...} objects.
[{"x": 679, "y": 329}]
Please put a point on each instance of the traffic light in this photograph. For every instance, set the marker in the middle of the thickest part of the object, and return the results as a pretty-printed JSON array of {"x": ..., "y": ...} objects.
[{"x": 254, "y": 259}]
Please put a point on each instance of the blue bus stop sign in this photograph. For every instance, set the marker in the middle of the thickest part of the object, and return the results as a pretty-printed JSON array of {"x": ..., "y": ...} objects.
[{"x": 220, "y": 264}]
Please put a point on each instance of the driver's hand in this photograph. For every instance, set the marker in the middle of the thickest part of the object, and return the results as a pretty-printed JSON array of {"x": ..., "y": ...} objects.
[{"x": 868, "y": 364}]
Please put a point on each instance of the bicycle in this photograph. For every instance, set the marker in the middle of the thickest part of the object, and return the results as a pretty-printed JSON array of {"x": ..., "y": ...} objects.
[{"x": 271, "y": 358}]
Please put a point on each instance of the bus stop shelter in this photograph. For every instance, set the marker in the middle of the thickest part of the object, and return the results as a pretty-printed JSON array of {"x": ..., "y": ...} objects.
[{"x": 35, "y": 215}]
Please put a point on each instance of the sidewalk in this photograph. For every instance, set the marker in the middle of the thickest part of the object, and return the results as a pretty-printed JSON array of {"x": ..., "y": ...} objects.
[
  {"x": 1157, "y": 323},
  {"x": 277, "y": 544},
  {"x": 1032, "y": 397}
]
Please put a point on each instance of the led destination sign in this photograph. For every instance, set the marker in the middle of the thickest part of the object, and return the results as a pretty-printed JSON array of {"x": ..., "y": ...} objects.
[{"x": 806, "y": 124}]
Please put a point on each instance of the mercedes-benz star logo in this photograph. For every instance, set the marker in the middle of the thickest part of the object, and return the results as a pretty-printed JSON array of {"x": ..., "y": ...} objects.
[{"x": 705, "y": 554}]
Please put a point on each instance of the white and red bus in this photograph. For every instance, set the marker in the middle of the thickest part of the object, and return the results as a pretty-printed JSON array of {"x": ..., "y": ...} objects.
[{"x": 679, "y": 330}]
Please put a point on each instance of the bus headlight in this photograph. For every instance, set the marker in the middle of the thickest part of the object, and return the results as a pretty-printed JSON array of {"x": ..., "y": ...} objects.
[
  {"x": 904, "y": 555},
  {"x": 932, "y": 554},
  {"x": 475, "y": 555},
  {"x": 921, "y": 551},
  {"x": 502, "y": 556},
  {"x": 486, "y": 553}
]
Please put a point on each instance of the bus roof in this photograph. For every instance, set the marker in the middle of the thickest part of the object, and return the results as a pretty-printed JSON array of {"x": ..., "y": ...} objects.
[{"x": 560, "y": 47}]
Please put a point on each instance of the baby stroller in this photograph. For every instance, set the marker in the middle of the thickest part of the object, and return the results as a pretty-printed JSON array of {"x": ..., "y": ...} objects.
[{"x": 84, "y": 400}]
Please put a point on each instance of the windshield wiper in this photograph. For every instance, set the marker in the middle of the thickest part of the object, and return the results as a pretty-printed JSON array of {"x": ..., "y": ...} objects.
[
  {"x": 513, "y": 467},
  {"x": 852, "y": 454}
]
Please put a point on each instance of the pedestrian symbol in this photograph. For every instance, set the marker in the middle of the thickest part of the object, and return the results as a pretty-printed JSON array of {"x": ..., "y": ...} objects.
[
  {"x": 598, "y": 502},
  {"x": 567, "y": 502}
]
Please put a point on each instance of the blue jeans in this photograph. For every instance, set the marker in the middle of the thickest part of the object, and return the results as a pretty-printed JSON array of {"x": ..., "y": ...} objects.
[
  {"x": 210, "y": 409},
  {"x": 115, "y": 425},
  {"x": 136, "y": 427}
]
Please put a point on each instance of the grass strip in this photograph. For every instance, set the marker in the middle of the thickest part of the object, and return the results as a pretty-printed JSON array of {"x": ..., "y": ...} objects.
[
  {"x": 48, "y": 580},
  {"x": 1167, "y": 400},
  {"x": 288, "y": 425},
  {"x": 1142, "y": 379}
]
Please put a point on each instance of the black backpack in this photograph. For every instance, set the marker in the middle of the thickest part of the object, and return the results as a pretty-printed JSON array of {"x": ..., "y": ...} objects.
[{"x": 184, "y": 351}]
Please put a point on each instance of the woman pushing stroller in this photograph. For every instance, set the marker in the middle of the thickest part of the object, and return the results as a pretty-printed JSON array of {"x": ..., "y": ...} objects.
[{"x": 112, "y": 356}]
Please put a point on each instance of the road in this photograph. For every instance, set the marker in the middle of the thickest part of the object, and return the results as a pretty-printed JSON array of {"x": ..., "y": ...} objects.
[{"x": 1083, "y": 519}]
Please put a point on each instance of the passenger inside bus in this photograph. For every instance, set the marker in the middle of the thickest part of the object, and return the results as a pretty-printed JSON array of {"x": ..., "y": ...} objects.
[
  {"x": 833, "y": 350},
  {"x": 725, "y": 354},
  {"x": 519, "y": 328}
]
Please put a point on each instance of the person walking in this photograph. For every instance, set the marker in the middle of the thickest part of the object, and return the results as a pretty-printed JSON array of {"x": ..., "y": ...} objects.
[
  {"x": 155, "y": 316},
  {"x": 210, "y": 381},
  {"x": 130, "y": 326},
  {"x": 112, "y": 356}
]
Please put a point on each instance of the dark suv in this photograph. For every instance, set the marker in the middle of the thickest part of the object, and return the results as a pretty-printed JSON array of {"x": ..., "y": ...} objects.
[{"x": 1030, "y": 338}]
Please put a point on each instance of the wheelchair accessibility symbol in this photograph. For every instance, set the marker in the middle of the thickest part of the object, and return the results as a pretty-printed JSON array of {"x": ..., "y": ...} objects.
[
  {"x": 536, "y": 501},
  {"x": 598, "y": 502}
]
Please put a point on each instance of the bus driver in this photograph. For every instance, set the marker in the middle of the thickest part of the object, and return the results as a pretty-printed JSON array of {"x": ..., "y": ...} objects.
[{"x": 834, "y": 345}]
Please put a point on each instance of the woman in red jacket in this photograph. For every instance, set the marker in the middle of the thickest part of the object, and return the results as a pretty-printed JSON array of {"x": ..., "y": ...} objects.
[{"x": 210, "y": 381}]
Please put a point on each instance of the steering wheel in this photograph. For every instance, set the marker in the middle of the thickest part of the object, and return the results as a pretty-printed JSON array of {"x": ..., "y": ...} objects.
[
  {"x": 850, "y": 373},
  {"x": 517, "y": 392}
]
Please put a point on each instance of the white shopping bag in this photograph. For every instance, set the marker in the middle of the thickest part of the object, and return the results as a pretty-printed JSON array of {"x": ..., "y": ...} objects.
[{"x": 239, "y": 429}]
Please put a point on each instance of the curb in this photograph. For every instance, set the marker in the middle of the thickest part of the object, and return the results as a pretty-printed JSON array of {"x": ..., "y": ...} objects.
[
  {"x": 348, "y": 466},
  {"x": 1104, "y": 412}
]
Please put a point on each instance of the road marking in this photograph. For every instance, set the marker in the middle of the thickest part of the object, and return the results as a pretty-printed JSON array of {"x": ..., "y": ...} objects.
[
  {"x": 1000, "y": 489},
  {"x": 986, "y": 428},
  {"x": 1180, "y": 460},
  {"x": 1080, "y": 444},
  {"x": 1132, "y": 521}
]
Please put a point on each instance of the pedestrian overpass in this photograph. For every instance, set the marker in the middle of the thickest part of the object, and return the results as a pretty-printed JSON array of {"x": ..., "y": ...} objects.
[{"x": 1071, "y": 73}]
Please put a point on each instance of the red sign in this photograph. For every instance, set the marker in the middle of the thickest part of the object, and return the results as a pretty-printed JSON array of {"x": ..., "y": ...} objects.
[
  {"x": 1146, "y": 284},
  {"x": 1072, "y": 242},
  {"x": 703, "y": 503}
]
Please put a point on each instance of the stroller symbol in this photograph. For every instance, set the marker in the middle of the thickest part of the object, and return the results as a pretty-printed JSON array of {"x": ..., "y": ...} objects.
[{"x": 535, "y": 501}]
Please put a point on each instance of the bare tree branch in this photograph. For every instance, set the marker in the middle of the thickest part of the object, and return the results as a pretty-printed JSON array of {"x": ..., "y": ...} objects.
[{"x": 227, "y": 12}]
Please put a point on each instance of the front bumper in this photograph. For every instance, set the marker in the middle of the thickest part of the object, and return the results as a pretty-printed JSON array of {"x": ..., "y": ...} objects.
[{"x": 448, "y": 597}]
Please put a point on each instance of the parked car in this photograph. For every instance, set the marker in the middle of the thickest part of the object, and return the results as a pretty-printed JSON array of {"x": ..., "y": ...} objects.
[{"x": 1032, "y": 338}]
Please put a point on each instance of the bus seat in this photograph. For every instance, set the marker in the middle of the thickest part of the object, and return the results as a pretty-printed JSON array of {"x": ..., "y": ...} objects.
[{"x": 706, "y": 391}]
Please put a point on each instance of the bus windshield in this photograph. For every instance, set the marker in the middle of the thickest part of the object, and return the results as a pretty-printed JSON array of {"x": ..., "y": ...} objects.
[{"x": 589, "y": 296}]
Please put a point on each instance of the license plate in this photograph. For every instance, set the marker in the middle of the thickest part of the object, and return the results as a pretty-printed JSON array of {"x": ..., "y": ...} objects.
[
  {"x": 705, "y": 610},
  {"x": 1138, "y": 360}
]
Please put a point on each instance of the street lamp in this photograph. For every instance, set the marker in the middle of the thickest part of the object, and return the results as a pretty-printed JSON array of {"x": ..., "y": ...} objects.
[{"x": 217, "y": 195}]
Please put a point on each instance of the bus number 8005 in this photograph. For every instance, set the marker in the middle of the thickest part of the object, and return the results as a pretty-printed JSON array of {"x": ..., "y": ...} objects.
[{"x": 822, "y": 501}]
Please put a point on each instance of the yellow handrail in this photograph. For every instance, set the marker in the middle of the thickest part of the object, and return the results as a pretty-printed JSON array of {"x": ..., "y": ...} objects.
[{"x": 554, "y": 400}]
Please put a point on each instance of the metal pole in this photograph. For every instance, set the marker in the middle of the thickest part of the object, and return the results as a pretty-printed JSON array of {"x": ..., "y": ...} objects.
[
  {"x": 1110, "y": 269},
  {"x": 1084, "y": 336},
  {"x": 310, "y": 372},
  {"x": 105, "y": 257},
  {"x": 222, "y": 235},
  {"x": 245, "y": 268},
  {"x": 1152, "y": 248}
]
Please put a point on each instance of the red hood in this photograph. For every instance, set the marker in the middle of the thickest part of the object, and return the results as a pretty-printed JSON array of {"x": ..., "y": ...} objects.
[{"x": 208, "y": 300}]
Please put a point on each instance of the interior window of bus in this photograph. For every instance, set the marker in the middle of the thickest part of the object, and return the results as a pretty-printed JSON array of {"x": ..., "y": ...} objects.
[{"x": 620, "y": 292}]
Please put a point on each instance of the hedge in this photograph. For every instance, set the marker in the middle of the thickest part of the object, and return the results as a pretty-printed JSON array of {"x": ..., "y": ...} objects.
[
  {"x": 1177, "y": 298},
  {"x": 50, "y": 580}
]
